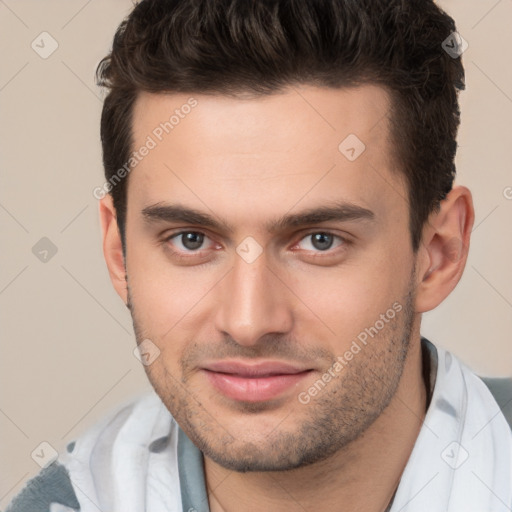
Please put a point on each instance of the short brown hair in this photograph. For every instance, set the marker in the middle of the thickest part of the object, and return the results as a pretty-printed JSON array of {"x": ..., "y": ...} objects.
[{"x": 232, "y": 47}]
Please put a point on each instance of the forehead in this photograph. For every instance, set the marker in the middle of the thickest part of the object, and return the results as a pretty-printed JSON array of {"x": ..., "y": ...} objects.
[
  {"x": 299, "y": 145},
  {"x": 266, "y": 123}
]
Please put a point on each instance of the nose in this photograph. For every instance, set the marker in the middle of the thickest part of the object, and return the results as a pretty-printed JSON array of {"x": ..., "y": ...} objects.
[{"x": 253, "y": 302}]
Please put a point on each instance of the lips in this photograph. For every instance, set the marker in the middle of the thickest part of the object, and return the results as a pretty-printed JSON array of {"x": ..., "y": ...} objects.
[{"x": 256, "y": 382}]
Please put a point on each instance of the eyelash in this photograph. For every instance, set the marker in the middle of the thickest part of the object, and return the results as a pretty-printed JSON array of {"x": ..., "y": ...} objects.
[{"x": 345, "y": 242}]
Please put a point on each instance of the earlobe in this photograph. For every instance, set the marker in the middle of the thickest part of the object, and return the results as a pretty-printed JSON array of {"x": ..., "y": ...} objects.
[
  {"x": 112, "y": 247},
  {"x": 444, "y": 249}
]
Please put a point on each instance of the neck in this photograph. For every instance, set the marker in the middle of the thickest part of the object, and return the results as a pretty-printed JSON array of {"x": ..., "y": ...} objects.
[{"x": 362, "y": 476}]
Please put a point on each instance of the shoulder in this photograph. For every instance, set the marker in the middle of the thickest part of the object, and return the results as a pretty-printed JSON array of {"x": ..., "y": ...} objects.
[
  {"x": 130, "y": 427},
  {"x": 501, "y": 389},
  {"x": 51, "y": 486}
]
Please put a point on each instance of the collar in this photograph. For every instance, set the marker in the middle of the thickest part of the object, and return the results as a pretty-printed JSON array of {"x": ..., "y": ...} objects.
[{"x": 190, "y": 458}]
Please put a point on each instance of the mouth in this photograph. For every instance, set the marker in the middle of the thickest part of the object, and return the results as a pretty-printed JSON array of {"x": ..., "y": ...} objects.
[{"x": 256, "y": 382}]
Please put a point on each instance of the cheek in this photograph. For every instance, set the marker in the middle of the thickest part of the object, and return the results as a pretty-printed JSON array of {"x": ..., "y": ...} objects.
[
  {"x": 344, "y": 301},
  {"x": 170, "y": 302}
]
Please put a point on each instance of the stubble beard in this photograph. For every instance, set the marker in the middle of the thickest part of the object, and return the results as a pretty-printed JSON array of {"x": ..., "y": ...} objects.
[{"x": 333, "y": 419}]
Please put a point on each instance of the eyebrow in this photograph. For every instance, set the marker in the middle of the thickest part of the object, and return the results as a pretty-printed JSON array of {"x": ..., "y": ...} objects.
[{"x": 340, "y": 212}]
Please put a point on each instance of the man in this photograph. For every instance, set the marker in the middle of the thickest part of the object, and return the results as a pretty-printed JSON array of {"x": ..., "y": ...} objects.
[{"x": 279, "y": 211}]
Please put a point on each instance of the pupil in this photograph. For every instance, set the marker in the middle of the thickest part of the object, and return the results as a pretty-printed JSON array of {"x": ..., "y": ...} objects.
[
  {"x": 192, "y": 240},
  {"x": 322, "y": 241}
]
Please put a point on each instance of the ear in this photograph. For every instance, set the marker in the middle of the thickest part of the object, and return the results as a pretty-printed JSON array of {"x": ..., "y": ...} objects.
[
  {"x": 112, "y": 247},
  {"x": 444, "y": 249}
]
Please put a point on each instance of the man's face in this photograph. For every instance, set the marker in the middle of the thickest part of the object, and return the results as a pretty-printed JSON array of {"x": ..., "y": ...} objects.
[{"x": 251, "y": 311}]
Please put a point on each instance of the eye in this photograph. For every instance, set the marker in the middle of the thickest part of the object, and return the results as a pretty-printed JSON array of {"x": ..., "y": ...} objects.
[
  {"x": 190, "y": 248},
  {"x": 320, "y": 241},
  {"x": 187, "y": 241}
]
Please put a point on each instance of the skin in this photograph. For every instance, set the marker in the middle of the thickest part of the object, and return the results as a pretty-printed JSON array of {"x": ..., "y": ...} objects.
[{"x": 246, "y": 162}]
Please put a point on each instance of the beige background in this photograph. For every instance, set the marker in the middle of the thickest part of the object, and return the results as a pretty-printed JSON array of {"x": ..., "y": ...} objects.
[{"x": 67, "y": 340}]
